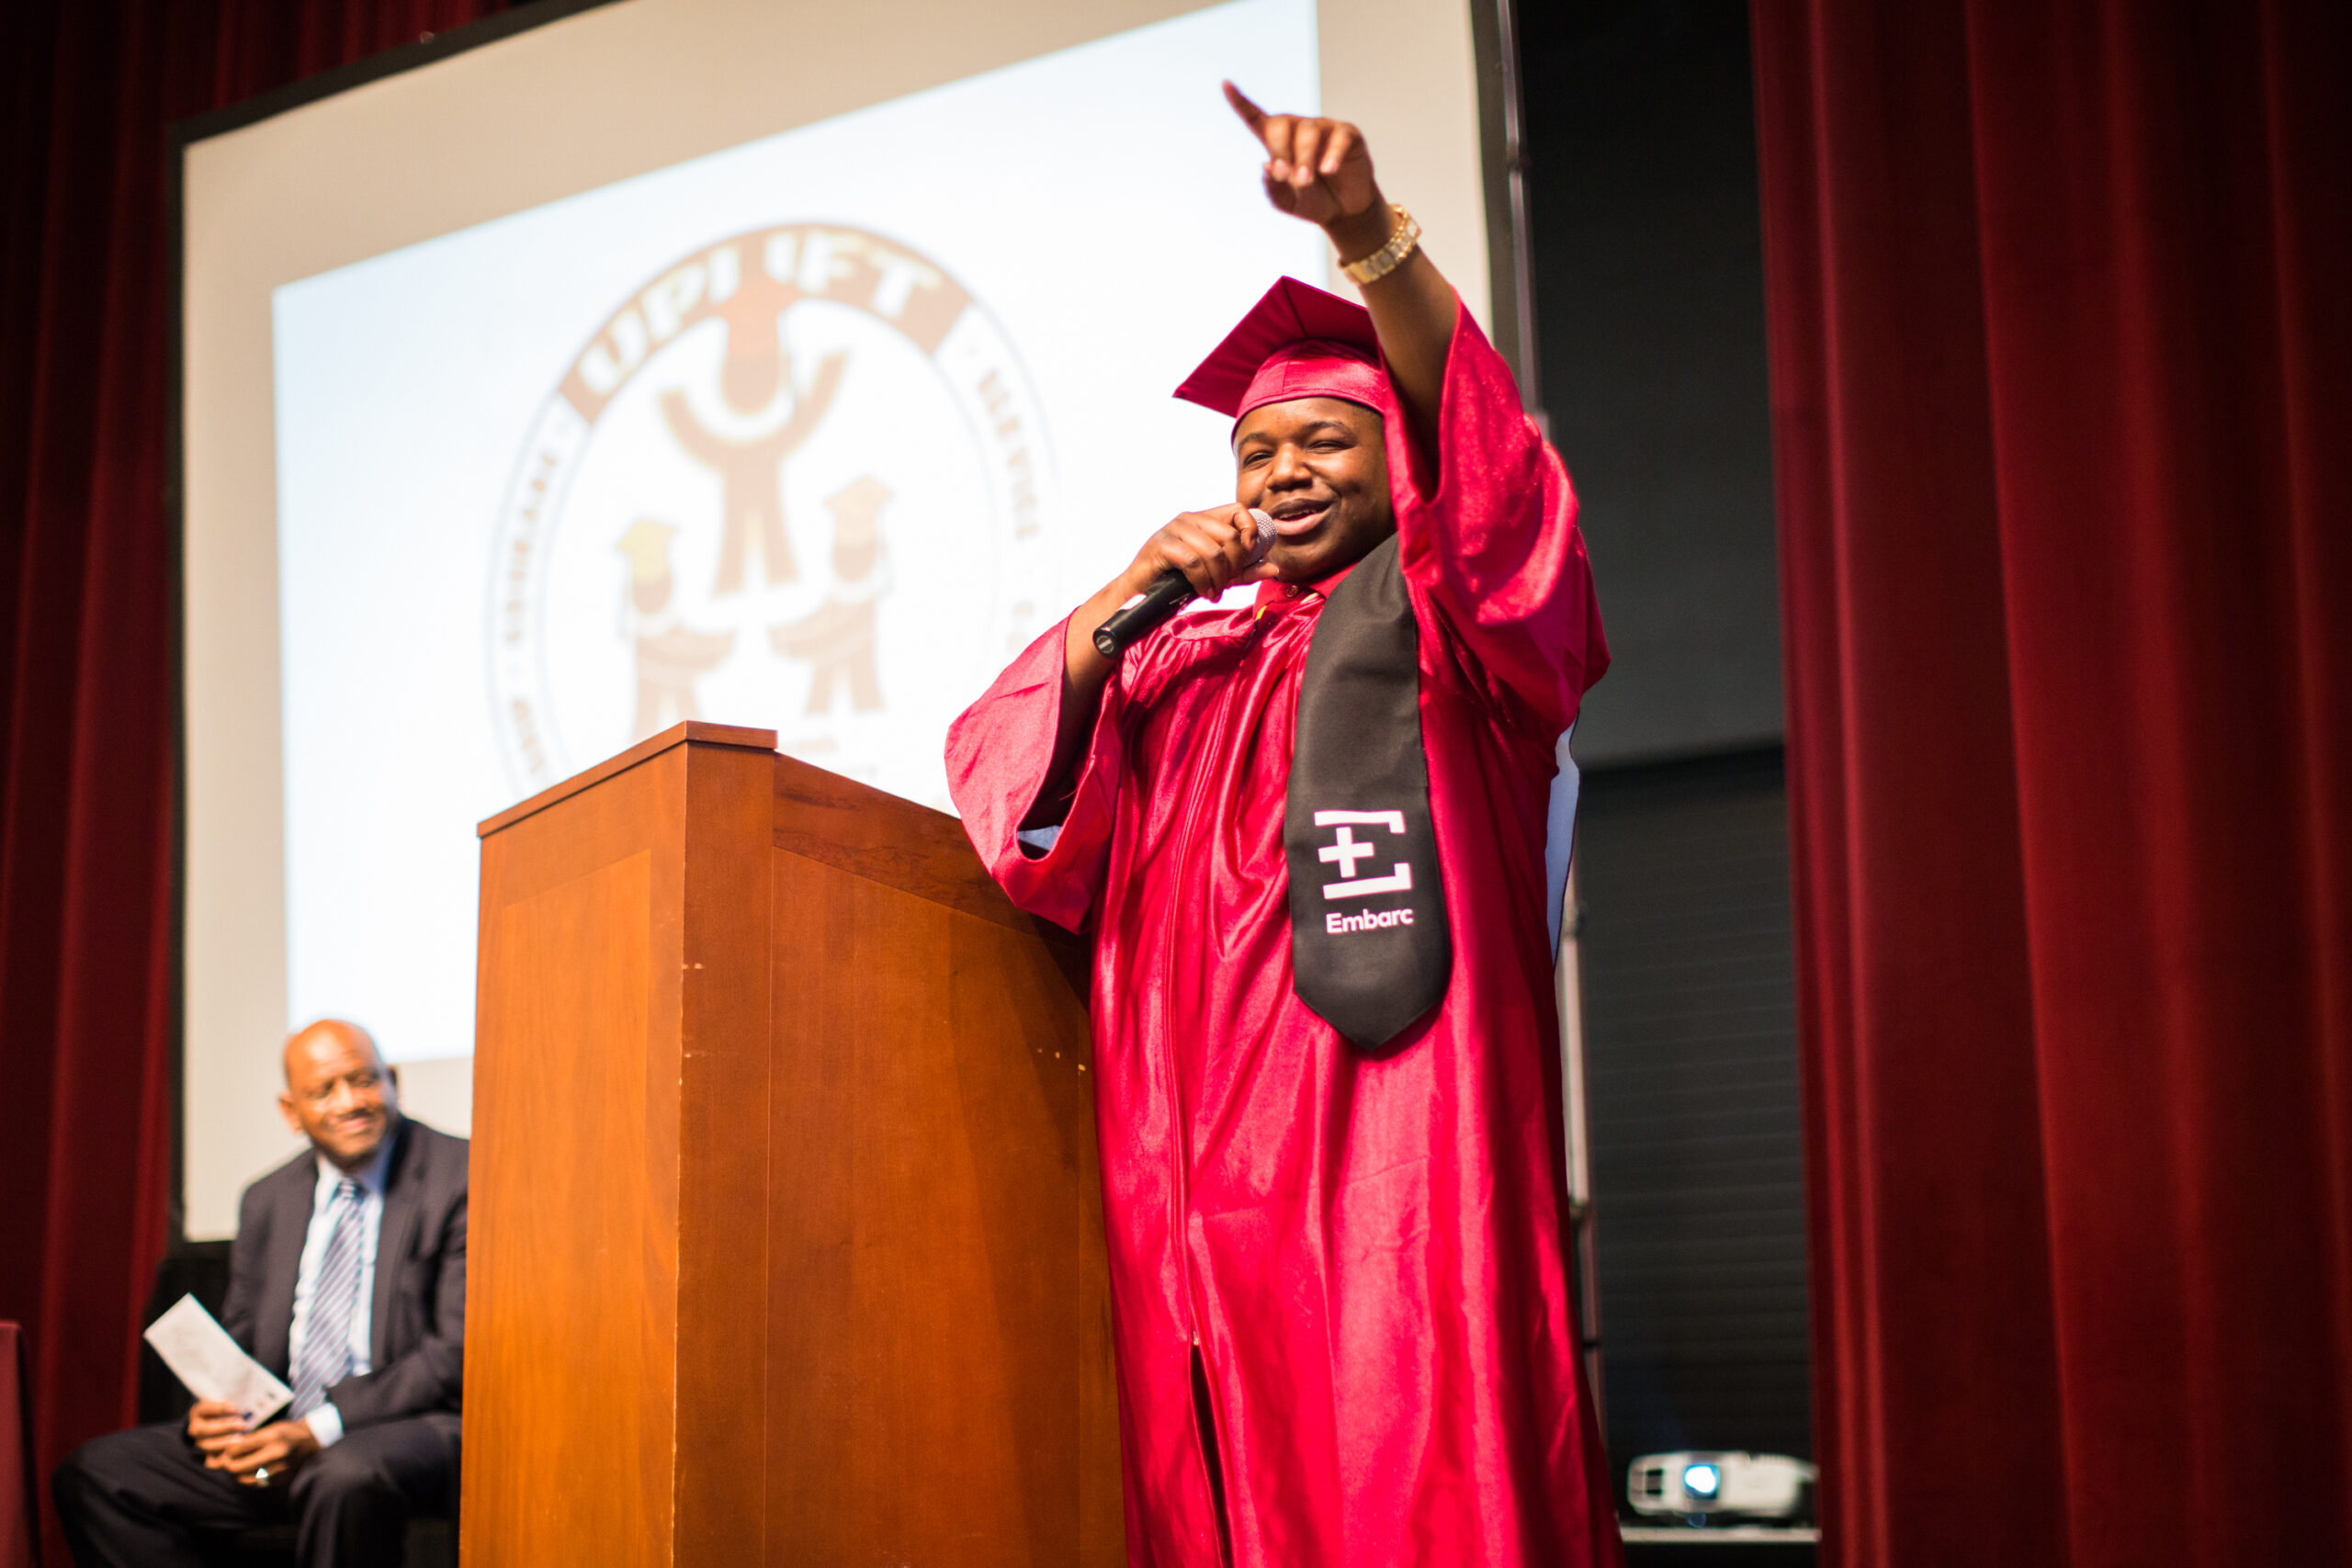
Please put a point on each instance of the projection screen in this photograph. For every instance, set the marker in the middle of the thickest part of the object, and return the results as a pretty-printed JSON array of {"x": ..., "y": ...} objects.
[{"x": 780, "y": 364}]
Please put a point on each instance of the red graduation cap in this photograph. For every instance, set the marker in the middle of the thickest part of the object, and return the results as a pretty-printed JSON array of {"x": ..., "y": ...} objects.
[{"x": 1297, "y": 341}]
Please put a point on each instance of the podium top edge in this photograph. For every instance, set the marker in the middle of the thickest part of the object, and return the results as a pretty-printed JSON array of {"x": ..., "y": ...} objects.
[{"x": 693, "y": 731}]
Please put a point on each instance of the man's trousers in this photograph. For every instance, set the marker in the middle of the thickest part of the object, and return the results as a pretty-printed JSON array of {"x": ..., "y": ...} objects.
[{"x": 140, "y": 1498}]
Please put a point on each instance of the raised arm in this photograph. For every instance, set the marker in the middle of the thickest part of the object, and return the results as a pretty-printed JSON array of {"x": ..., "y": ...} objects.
[
  {"x": 1320, "y": 170},
  {"x": 1485, "y": 515}
]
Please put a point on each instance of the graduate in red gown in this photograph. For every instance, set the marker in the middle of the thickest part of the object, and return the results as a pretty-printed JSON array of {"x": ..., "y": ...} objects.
[{"x": 1307, "y": 830}]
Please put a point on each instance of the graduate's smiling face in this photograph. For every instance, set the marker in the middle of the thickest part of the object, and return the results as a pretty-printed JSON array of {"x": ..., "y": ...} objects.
[{"x": 1320, "y": 468}]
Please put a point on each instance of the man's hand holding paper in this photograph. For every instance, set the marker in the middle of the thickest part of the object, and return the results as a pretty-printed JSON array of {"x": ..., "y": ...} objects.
[{"x": 228, "y": 1385}]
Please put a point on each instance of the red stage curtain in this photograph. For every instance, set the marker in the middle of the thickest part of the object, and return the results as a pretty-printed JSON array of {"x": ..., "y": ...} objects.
[
  {"x": 87, "y": 780},
  {"x": 2060, "y": 320}
]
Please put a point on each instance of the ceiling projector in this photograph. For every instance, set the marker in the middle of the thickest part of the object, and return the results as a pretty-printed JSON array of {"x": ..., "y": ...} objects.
[{"x": 1700, "y": 1488}]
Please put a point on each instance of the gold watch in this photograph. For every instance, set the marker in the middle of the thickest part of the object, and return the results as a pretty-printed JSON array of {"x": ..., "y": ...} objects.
[{"x": 1403, "y": 241}]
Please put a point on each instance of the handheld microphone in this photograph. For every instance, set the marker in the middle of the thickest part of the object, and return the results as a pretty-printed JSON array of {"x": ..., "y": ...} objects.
[{"x": 1169, "y": 593}]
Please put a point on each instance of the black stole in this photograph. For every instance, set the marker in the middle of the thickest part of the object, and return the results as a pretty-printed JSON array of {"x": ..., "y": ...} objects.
[{"x": 1370, "y": 945}]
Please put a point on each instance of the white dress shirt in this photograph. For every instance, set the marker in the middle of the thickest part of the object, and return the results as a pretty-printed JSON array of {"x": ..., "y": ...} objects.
[{"x": 326, "y": 1421}]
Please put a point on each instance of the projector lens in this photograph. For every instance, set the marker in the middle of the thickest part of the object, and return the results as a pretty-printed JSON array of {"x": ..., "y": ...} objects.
[{"x": 1702, "y": 1480}]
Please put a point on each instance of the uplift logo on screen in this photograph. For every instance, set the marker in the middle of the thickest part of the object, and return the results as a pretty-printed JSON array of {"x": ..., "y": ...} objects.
[{"x": 800, "y": 481}]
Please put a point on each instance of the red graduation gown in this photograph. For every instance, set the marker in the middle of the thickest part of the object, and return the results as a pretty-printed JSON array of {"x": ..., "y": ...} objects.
[{"x": 1368, "y": 1253}]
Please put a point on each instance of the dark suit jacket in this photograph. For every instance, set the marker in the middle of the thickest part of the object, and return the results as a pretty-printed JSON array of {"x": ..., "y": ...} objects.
[{"x": 416, "y": 1332}]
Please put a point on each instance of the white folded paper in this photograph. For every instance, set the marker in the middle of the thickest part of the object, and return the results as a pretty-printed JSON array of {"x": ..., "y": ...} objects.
[{"x": 201, "y": 1355}]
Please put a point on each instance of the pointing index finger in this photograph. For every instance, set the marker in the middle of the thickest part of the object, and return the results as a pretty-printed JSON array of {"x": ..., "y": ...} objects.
[{"x": 1251, "y": 115}]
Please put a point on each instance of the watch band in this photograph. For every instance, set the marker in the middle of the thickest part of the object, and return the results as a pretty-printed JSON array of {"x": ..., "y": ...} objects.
[{"x": 1403, "y": 241}]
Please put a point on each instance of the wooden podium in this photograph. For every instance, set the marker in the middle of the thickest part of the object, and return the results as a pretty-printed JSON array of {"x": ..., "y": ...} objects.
[{"x": 787, "y": 1231}]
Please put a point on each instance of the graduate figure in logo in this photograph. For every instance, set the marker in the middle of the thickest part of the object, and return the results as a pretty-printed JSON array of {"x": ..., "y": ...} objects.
[
  {"x": 670, "y": 656},
  {"x": 1308, "y": 833},
  {"x": 836, "y": 639}
]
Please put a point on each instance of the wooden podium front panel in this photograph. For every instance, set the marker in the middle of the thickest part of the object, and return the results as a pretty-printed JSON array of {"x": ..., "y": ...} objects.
[
  {"x": 938, "y": 1380},
  {"x": 571, "y": 1295},
  {"x": 615, "y": 1321}
]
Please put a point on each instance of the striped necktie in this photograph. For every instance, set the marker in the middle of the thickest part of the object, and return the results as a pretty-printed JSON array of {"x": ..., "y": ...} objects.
[{"x": 326, "y": 1333}]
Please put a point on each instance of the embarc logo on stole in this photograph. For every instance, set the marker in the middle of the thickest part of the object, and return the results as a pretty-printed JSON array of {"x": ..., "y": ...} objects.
[
  {"x": 788, "y": 483},
  {"x": 1344, "y": 851}
]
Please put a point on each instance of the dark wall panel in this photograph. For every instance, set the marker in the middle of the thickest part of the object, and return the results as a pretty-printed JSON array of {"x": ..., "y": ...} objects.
[
  {"x": 1692, "y": 1076},
  {"x": 1643, "y": 221}
]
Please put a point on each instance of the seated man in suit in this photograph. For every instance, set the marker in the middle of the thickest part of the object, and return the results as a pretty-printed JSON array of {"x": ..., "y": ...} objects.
[{"x": 348, "y": 1280}]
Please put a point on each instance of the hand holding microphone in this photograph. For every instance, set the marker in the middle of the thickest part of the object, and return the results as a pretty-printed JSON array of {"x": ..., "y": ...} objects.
[{"x": 1198, "y": 554}]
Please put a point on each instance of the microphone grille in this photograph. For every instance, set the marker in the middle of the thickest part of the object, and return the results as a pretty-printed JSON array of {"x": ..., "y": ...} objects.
[{"x": 1265, "y": 537}]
